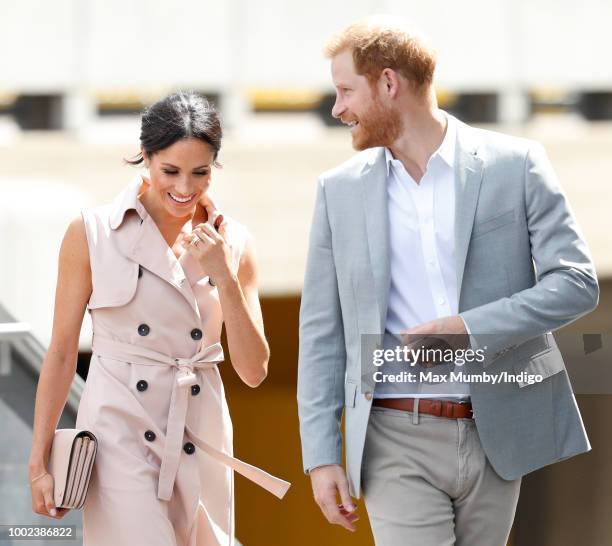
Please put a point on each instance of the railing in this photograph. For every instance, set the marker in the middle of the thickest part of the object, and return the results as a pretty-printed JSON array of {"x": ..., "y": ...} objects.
[{"x": 18, "y": 337}]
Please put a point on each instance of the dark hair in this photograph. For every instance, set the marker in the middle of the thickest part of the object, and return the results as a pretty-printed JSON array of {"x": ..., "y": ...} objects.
[{"x": 185, "y": 114}]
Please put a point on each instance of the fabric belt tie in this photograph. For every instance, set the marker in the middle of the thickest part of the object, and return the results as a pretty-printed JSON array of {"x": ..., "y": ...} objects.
[{"x": 206, "y": 358}]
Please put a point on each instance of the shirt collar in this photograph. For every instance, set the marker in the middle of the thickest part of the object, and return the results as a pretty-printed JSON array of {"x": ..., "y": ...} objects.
[
  {"x": 446, "y": 150},
  {"x": 127, "y": 200}
]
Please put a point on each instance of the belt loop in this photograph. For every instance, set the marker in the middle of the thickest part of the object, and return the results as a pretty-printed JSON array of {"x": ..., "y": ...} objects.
[{"x": 415, "y": 412}]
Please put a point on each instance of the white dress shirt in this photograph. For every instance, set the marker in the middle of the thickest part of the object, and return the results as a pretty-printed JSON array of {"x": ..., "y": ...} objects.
[{"x": 422, "y": 253}]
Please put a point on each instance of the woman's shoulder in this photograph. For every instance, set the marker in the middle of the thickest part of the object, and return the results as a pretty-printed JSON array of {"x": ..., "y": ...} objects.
[{"x": 236, "y": 232}]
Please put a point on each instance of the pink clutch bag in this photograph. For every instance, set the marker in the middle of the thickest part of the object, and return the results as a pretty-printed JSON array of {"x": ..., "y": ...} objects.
[{"x": 70, "y": 463}]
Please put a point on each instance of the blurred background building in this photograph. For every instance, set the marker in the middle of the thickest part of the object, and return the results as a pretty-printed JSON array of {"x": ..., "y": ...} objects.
[{"x": 76, "y": 73}]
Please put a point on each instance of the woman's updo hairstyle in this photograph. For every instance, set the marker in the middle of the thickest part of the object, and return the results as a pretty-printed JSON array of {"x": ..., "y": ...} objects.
[{"x": 184, "y": 114}]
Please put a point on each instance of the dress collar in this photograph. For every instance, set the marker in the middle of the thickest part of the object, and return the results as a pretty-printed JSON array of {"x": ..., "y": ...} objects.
[{"x": 128, "y": 200}]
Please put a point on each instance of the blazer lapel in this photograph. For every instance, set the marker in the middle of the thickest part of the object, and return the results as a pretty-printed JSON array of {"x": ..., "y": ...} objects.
[
  {"x": 374, "y": 193},
  {"x": 469, "y": 171}
]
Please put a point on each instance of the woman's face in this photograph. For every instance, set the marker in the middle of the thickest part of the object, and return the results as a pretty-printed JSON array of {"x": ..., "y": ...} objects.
[{"x": 180, "y": 175}]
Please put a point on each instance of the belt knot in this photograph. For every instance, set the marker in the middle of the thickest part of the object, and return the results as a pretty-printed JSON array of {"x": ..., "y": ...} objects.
[{"x": 185, "y": 376}]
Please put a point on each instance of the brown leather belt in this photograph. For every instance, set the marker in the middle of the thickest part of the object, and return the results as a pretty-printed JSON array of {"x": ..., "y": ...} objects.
[{"x": 441, "y": 408}]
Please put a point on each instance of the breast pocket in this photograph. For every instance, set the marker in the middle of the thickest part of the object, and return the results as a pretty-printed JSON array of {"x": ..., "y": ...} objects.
[
  {"x": 116, "y": 288},
  {"x": 493, "y": 223}
]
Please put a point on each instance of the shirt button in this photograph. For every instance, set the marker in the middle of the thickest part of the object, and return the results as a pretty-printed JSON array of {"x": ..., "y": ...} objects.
[
  {"x": 139, "y": 271},
  {"x": 189, "y": 448},
  {"x": 196, "y": 334},
  {"x": 195, "y": 389},
  {"x": 149, "y": 435},
  {"x": 144, "y": 329},
  {"x": 142, "y": 385},
  {"x": 368, "y": 395}
]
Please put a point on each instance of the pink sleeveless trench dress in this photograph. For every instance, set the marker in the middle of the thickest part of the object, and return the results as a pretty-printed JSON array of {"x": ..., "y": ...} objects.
[{"x": 154, "y": 396}]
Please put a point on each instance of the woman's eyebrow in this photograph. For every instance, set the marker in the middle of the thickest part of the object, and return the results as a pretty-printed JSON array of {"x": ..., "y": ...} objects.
[{"x": 175, "y": 167}]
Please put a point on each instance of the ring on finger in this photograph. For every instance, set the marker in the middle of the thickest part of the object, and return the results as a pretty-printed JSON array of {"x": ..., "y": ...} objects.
[{"x": 195, "y": 240}]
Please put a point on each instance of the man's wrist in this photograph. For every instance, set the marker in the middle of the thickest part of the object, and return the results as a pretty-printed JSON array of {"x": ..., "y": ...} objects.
[{"x": 308, "y": 471}]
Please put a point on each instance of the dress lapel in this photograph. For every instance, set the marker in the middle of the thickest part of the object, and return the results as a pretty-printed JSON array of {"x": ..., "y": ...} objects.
[{"x": 139, "y": 239}]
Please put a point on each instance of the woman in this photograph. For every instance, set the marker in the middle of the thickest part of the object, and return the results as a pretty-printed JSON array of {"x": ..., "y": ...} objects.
[{"x": 159, "y": 277}]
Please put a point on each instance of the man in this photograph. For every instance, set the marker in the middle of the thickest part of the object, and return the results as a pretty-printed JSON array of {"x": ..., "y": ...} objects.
[{"x": 434, "y": 229}]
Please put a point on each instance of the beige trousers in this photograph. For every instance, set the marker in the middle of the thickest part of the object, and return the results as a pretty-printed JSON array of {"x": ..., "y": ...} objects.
[{"x": 427, "y": 482}]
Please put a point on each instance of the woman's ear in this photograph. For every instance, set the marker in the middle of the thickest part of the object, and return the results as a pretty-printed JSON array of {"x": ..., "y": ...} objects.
[{"x": 145, "y": 157}]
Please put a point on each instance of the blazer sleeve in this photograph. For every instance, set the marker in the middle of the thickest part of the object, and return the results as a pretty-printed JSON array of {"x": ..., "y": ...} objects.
[
  {"x": 566, "y": 285},
  {"x": 322, "y": 353}
]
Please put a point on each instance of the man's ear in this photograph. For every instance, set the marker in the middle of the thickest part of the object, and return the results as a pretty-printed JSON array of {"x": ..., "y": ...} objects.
[{"x": 390, "y": 81}]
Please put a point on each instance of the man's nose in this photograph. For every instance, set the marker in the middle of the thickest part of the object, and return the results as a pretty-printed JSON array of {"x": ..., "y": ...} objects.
[{"x": 338, "y": 108}]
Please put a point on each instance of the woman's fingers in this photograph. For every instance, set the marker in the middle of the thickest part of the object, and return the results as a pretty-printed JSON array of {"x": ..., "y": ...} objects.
[
  {"x": 211, "y": 232},
  {"x": 203, "y": 236},
  {"x": 47, "y": 491}
]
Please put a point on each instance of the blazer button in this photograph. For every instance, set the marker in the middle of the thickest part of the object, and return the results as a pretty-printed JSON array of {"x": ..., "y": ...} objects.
[
  {"x": 368, "y": 395},
  {"x": 142, "y": 385},
  {"x": 149, "y": 435},
  {"x": 189, "y": 448},
  {"x": 139, "y": 271},
  {"x": 195, "y": 389},
  {"x": 144, "y": 330},
  {"x": 196, "y": 334}
]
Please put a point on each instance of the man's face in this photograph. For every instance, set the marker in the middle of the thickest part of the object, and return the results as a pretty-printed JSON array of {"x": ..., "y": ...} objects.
[{"x": 358, "y": 104}]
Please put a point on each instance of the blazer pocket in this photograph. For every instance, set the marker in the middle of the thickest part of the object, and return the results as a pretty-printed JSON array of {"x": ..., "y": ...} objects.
[
  {"x": 490, "y": 224},
  {"x": 545, "y": 363},
  {"x": 350, "y": 392}
]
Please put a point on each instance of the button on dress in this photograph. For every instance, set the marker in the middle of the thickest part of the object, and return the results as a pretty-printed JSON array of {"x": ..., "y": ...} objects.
[{"x": 154, "y": 397}]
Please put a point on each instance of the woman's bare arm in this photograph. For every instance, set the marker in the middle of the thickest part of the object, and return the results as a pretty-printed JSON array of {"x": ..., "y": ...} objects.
[
  {"x": 59, "y": 365},
  {"x": 243, "y": 320}
]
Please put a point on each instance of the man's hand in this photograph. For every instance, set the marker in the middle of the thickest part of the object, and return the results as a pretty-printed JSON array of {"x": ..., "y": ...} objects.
[
  {"x": 329, "y": 482},
  {"x": 442, "y": 333}
]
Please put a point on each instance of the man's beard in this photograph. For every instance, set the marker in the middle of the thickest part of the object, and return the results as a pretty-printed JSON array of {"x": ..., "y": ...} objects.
[{"x": 378, "y": 126}]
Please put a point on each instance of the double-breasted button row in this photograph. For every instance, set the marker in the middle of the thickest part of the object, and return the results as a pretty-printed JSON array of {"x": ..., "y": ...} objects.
[
  {"x": 144, "y": 329},
  {"x": 143, "y": 385},
  {"x": 149, "y": 435},
  {"x": 189, "y": 448}
]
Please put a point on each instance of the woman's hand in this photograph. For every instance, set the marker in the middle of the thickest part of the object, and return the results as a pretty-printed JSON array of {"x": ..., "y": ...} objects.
[
  {"x": 211, "y": 209},
  {"x": 41, "y": 488},
  {"x": 211, "y": 250}
]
